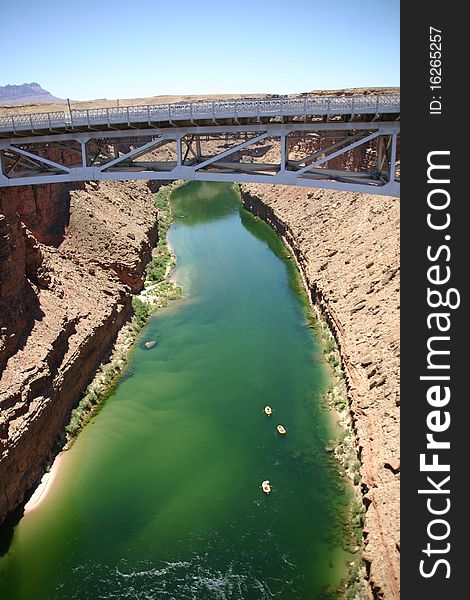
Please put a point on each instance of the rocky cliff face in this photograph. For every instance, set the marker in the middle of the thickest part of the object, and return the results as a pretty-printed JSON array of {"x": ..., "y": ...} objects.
[
  {"x": 68, "y": 262},
  {"x": 347, "y": 245},
  {"x": 44, "y": 210}
]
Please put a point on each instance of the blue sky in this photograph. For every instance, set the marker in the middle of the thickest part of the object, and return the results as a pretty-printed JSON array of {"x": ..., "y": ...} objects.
[{"x": 122, "y": 49}]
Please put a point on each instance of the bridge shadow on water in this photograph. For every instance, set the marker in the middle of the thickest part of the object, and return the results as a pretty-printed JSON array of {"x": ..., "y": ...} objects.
[{"x": 203, "y": 202}]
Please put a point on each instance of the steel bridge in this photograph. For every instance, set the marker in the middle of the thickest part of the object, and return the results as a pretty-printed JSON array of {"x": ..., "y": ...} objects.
[{"x": 334, "y": 142}]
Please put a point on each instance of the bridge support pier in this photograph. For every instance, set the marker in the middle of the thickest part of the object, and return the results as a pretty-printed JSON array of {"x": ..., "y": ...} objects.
[{"x": 393, "y": 159}]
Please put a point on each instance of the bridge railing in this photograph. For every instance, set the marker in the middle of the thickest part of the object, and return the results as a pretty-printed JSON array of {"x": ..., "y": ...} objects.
[
  {"x": 31, "y": 122},
  {"x": 217, "y": 109}
]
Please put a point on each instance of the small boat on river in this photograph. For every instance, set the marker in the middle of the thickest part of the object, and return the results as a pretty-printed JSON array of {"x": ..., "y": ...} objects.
[
  {"x": 281, "y": 430},
  {"x": 268, "y": 410}
]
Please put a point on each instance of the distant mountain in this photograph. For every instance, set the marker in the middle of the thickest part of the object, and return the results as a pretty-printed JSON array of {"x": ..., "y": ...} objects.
[{"x": 26, "y": 93}]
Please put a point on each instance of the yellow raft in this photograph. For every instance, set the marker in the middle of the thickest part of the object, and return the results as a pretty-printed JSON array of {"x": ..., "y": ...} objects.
[
  {"x": 268, "y": 410},
  {"x": 266, "y": 487}
]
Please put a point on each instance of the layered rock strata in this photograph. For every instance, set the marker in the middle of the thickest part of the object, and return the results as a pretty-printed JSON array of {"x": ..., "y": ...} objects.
[
  {"x": 69, "y": 261},
  {"x": 347, "y": 245}
]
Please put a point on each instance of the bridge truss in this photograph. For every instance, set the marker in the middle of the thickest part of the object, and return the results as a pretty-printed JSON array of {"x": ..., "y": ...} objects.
[{"x": 335, "y": 143}]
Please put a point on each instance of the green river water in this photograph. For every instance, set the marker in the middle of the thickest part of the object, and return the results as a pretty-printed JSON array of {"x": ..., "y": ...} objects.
[{"x": 160, "y": 498}]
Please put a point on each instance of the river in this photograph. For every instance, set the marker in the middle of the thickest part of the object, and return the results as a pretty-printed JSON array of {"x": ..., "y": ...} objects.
[{"x": 160, "y": 495}]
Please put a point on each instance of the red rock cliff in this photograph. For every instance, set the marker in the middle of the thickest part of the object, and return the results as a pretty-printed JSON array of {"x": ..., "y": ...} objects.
[{"x": 68, "y": 262}]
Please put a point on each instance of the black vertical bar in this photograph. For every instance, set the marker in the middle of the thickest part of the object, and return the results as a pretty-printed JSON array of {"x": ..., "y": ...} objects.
[{"x": 433, "y": 121}]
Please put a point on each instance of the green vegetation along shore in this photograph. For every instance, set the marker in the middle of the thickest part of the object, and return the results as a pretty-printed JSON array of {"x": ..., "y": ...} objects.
[{"x": 158, "y": 292}]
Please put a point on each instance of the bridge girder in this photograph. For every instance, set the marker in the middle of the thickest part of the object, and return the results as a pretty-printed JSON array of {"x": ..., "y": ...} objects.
[
  {"x": 100, "y": 155},
  {"x": 304, "y": 141}
]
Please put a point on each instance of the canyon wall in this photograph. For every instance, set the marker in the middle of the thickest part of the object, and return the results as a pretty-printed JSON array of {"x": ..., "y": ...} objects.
[
  {"x": 69, "y": 260},
  {"x": 347, "y": 245}
]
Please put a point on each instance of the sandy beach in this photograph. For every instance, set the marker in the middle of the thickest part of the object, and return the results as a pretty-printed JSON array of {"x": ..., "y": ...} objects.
[{"x": 44, "y": 487}]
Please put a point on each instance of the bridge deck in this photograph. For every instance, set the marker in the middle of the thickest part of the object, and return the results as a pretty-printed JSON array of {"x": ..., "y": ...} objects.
[{"x": 338, "y": 108}]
